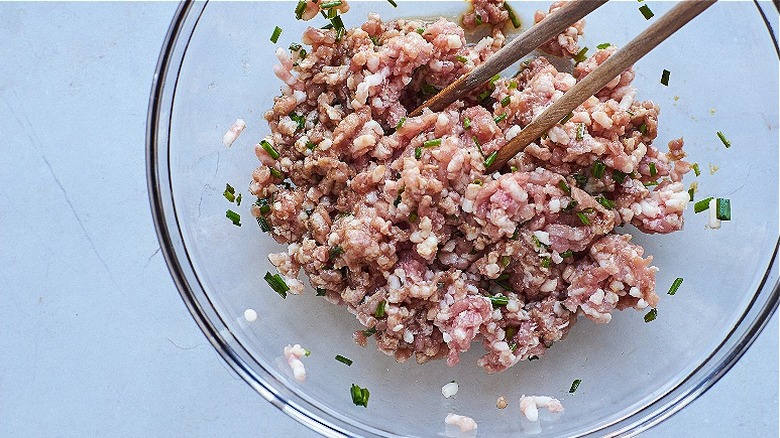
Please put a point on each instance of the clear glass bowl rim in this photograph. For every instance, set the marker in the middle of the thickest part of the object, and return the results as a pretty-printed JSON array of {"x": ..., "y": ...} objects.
[{"x": 230, "y": 349}]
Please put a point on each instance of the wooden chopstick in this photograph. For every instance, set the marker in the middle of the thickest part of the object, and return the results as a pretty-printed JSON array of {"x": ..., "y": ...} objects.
[
  {"x": 529, "y": 40},
  {"x": 616, "y": 64}
]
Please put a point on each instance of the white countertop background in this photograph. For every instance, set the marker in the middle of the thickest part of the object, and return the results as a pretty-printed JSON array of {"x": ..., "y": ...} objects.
[{"x": 94, "y": 338}]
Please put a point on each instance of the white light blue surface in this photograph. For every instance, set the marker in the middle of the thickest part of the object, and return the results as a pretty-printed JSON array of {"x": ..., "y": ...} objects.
[{"x": 95, "y": 338}]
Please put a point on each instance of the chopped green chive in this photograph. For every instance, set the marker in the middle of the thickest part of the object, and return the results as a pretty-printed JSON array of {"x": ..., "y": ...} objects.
[
  {"x": 643, "y": 128},
  {"x": 500, "y": 118},
  {"x": 294, "y": 47},
  {"x": 651, "y": 183},
  {"x": 567, "y": 253},
  {"x": 580, "y": 131},
  {"x": 583, "y": 218},
  {"x": 695, "y": 167},
  {"x": 619, "y": 176},
  {"x": 512, "y": 16},
  {"x": 420, "y": 30},
  {"x": 432, "y": 143},
  {"x": 379, "y": 312},
  {"x": 265, "y": 208},
  {"x": 646, "y": 12},
  {"x": 478, "y": 20},
  {"x": 495, "y": 79},
  {"x": 229, "y": 193},
  {"x": 398, "y": 198},
  {"x": 375, "y": 40},
  {"x": 275, "y": 35},
  {"x": 329, "y": 5},
  {"x": 321, "y": 292},
  {"x": 400, "y": 123},
  {"x": 653, "y": 170},
  {"x": 571, "y": 206},
  {"x": 574, "y": 385},
  {"x": 234, "y": 217},
  {"x": 335, "y": 252},
  {"x": 413, "y": 217},
  {"x": 598, "y": 169},
  {"x": 466, "y": 123},
  {"x": 270, "y": 149},
  {"x": 723, "y": 138},
  {"x": 650, "y": 316},
  {"x": 607, "y": 203},
  {"x": 299, "y": 9},
  {"x": 603, "y": 45},
  {"x": 299, "y": 119},
  {"x": 581, "y": 55},
  {"x": 675, "y": 286},
  {"x": 504, "y": 261},
  {"x": 580, "y": 179},
  {"x": 369, "y": 332},
  {"x": 691, "y": 192},
  {"x": 238, "y": 199},
  {"x": 567, "y": 118},
  {"x": 490, "y": 159},
  {"x": 505, "y": 101},
  {"x": 277, "y": 284},
  {"x": 276, "y": 173},
  {"x": 564, "y": 187},
  {"x": 499, "y": 300},
  {"x": 723, "y": 209},
  {"x": 263, "y": 223},
  {"x": 512, "y": 84},
  {"x": 665, "y": 77},
  {"x": 359, "y": 395},
  {"x": 477, "y": 182},
  {"x": 702, "y": 205},
  {"x": 479, "y": 146},
  {"x": 418, "y": 152},
  {"x": 484, "y": 95},
  {"x": 392, "y": 2},
  {"x": 546, "y": 261},
  {"x": 344, "y": 360},
  {"x": 310, "y": 145},
  {"x": 462, "y": 59}
]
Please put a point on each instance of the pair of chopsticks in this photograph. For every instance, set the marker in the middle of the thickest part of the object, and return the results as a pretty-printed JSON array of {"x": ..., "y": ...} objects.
[{"x": 542, "y": 32}]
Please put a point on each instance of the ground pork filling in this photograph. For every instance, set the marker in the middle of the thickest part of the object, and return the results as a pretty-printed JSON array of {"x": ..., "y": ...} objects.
[{"x": 394, "y": 217}]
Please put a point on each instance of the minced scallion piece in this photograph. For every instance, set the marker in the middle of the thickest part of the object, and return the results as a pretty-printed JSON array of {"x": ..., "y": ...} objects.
[
  {"x": 429, "y": 89},
  {"x": 581, "y": 55},
  {"x": 302, "y": 54},
  {"x": 299, "y": 119},
  {"x": 567, "y": 253},
  {"x": 398, "y": 198},
  {"x": 505, "y": 101},
  {"x": 466, "y": 123},
  {"x": 580, "y": 179},
  {"x": 380, "y": 309},
  {"x": 270, "y": 149},
  {"x": 651, "y": 183},
  {"x": 418, "y": 152},
  {"x": 546, "y": 261},
  {"x": 512, "y": 16},
  {"x": 359, "y": 395},
  {"x": 229, "y": 193},
  {"x": 691, "y": 192},
  {"x": 646, "y": 12},
  {"x": 619, "y": 176},
  {"x": 723, "y": 138},
  {"x": 574, "y": 385},
  {"x": 598, "y": 169},
  {"x": 478, "y": 20},
  {"x": 295, "y": 47},
  {"x": 392, "y": 2},
  {"x": 653, "y": 170},
  {"x": 723, "y": 209},
  {"x": 583, "y": 218},
  {"x": 665, "y": 77},
  {"x": 500, "y": 118},
  {"x": 462, "y": 59},
  {"x": 276, "y": 173},
  {"x": 571, "y": 206},
  {"x": 420, "y": 30},
  {"x": 580, "y": 131},
  {"x": 479, "y": 146},
  {"x": 603, "y": 45},
  {"x": 306, "y": 352},
  {"x": 494, "y": 79},
  {"x": 477, "y": 182},
  {"x": 276, "y": 34},
  {"x": 277, "y": 284},
  {"x": 702, "y": 205},
  {"x": 238, "y": 199},
  {"x": 696, "y": 170},
  {"x": 484, "y": 95},
  {"x": 299, "y": 9},
  {"x": 490, "y": 159},
  {"x": 675, "y": 286},
  {"x": 607, "y": 203},
  {"x": 263, "y": 204},
  {"x": 432, "y": 143},
  {"x": 503, "y": 261},
  {"x": 234, "y": 217},
  {"x": 499, "y": 300},
  {"x": 643, "y": 128},
  {"x": 400, "y": 123},
  {"x": 329, "y": 5},
  {"x": 369, "y": 332},
  {"x": 513, "y": 169},
  {"x": 264, "y": 226},
  {"x": 650, "y": 316},
  {"x": 375, "y": 40},
  {"x": 344, "y": 360},
  {"x": 321, "y": 292},
  {"x": 335, "y": 252},
  {"x": 567, "y": 118},
  {"x": 565, "y": 187},
  {"x": 413, "y": 217},
  {"x": 310, "y": 145}
]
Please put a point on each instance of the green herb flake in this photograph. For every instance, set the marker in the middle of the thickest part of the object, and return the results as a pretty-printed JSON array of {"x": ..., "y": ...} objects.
[
  {"x": 398, "y": 198},
  {"x": 580, "y": 131},
  {"x": 564, "y": 187},
  {"x": 603, "y": 46},
  {"x": 344, "y": 360},
  {"x": 545, "y": 263},
  {"x": 330, "y": 5},
  {"x": 369, "y": 332},
  {"x": 299, "y": 119},
  {"x": 238, "y": 199},
  {"x": 580, "y": 179},
  {"x": 400, "y": 123},
  {"x": 505, "y": 101},
  {"x": 512, "y": 16},
  {"x": 665, "y": 77},
  {"x": 413, "y": 217},
  {"x": 675, "y": 286},
  {"x": 379, "y": 312},
  {"x": 495, "y": 79},
  {"x": 335, "y": 252},
  {"x": 276, "y": 34},
  {"x": 646, "y": 12},
  {"x": 567, "y": 253},
  {"x": 276, "y": 173},
  {"x": 295, "y": 47},
  {"x": 229, "y": 193},
  {"x": 619, "y": 176},
  {"x": 272, "y": 152},
  {"x": 264, "y": 225},
  {"x": 583, "y": 218},
  {"x": 723, "y": 209},
  {"x": 310, "y": 145},
  {"x": 299, "y": 9},
  {"x": 234, "y": 217},
  {"x": 574, "y": 385},
  {"x": 432, "y": 143},
  {"x": 420, "y": 30},
  {"x": 723, "y": 138},
  {"x": 359, "y": 395},
  {"x": 598, "y": 169},
  {"x": 462, "y": 59},
  {"x": 567, "y": 118},
  {"x": 277, "y": 284},
  {"x": 607, "y": 203},
  {"x": 418, "y": 152},
  {"x": 466, "y": 123},
  {"x": 702, "y": 205},
  {"x": 691, "y": 192},
  {"x": 651, "y": 315},
  {"x": 490, "y": 159},
  {"x": 500, "y": 118},
  {"x": 478, "y": 20},
  {"x": 696, "y": 170},
  {"x": 499, "y": 300},
  {"x": 581, "y": 55},
  {"x": 643, "y": 128},
  {"x": 503, "y": 261},
  {"x": 653, "y": 170}
]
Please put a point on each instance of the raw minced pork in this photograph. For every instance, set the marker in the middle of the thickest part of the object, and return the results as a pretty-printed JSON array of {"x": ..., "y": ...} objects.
[{"x": 377, "y": 207}]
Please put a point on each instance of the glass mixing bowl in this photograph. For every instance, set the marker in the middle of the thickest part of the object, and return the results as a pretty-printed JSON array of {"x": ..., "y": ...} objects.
[{"x": 215, "y": 67}]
